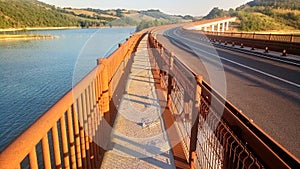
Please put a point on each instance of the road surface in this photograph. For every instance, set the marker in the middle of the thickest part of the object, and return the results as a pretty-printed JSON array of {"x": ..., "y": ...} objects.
[{"x": 265, "y": 90}]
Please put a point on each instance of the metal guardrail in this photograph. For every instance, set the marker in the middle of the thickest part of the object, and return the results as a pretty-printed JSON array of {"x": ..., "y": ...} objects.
[
  {"x": 261, "y": 36},
  {"x": 65, "y": 136},
  {"x": 285, "y": 43},
  {"x": 231, "y": 139}
]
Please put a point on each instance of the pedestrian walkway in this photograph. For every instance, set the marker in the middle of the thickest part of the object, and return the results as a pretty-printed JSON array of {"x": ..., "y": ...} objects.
[{"x": 138, "y": 139}]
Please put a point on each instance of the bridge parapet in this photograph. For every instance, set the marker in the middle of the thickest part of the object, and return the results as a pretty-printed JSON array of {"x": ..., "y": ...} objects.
[
  {"x": 65, "y": 136},
  {"x": 212, "y": 138},
  {"x": 285, "y": 43},
  {"x": 217, "y": 24}
]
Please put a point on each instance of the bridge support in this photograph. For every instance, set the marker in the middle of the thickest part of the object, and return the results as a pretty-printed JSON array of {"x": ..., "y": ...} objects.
[
  {"x": 227, "y": 25},
  {"x": 218, "y": 27},
  {"x": 223, "y": 26},
  {"x": 212, "y": 28}
]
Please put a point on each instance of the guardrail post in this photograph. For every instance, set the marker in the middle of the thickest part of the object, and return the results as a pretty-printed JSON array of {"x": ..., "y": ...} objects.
[
  {"x": 253, "y": 37},
  {"x": 195, "y": 121},
  {"x": 292, "y": 39}
]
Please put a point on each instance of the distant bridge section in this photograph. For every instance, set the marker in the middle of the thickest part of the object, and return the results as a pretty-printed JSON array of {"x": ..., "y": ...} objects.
[{"x": 218, "y": 24}]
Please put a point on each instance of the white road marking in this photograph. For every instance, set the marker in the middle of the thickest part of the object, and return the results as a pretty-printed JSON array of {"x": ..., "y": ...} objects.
[{"x": 242, "y": 65}]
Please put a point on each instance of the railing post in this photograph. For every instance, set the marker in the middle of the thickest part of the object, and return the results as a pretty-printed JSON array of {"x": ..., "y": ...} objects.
[
  {"x": 65, "y": 147},
  {"x": 71, "y": 138},
  {"x": 195, "y": 121},
  {"x": 56, "y": 147},
  {"x": 105, "y": 87},
  {"x": 46, "y": 152},
  {"x": 170, "y": 79},
  {"x": 33, "y": 159}
]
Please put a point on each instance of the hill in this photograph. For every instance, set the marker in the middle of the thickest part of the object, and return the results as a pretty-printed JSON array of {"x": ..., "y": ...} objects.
[
  {"x": 262, "y": 15},
  {"x": 143, "y": 19},
  {"x": 32, "y": 13}
]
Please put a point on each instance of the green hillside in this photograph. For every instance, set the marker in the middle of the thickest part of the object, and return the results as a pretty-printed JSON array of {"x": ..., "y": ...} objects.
[
  {"x": 32, "y": 13},
  {"x": 149, "y": 18},
  {"x": 262, "y": 15}
]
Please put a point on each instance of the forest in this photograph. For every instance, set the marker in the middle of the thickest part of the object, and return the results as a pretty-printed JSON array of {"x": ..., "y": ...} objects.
[{"x": 261, "y": 15}]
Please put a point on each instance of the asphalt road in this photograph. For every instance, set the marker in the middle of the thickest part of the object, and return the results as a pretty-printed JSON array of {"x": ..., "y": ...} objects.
[{"x": 267, "y": 91}]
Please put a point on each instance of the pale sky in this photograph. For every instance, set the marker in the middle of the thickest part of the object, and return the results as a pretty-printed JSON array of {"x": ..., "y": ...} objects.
[{"x": 176, "y": 7}]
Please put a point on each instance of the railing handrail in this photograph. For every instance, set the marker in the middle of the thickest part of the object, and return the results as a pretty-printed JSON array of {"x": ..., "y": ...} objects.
[{"x": 257, "y": 35}]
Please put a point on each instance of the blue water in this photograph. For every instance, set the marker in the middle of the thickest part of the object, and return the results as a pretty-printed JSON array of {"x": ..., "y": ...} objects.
[{"x": 35, "y": 74}]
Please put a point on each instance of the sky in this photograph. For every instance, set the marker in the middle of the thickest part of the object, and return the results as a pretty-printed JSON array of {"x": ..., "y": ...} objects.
[{"x": 176, "y": 7}]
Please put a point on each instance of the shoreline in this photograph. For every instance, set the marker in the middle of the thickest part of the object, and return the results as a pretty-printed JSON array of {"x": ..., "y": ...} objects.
[
  {"x": 25, "y": 37},
  {"x": 56, "y": 28},
  {"x": 36, "y": 28}
]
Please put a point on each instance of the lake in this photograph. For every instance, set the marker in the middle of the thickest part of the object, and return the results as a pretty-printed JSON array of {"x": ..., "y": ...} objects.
[{"x": 34, "y": 74}]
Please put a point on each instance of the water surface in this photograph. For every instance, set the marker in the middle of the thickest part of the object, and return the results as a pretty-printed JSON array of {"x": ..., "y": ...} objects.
[{"x": 34, "y": 74}]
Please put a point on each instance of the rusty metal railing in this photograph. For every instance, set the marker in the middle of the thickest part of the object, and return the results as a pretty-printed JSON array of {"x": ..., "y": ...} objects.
[
  {"x": 212, "y": 138},
  {"x": 260, "y": 36},
  {"x": 284, "y": 43},
  {"x": 65, "y": 136}
]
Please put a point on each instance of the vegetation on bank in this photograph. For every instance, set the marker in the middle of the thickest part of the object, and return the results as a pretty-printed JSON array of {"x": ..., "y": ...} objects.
[
  {"x": 24, "y": 37},
  {"x": 148, "y": 24},
  {"x": 32, "y": 13},
  {"x": 261, "y": 15},
  {"x": 161, "y": 19}
]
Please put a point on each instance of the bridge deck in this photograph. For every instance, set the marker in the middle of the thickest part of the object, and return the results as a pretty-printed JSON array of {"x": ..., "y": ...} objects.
[{"x": 139, "y": 139}]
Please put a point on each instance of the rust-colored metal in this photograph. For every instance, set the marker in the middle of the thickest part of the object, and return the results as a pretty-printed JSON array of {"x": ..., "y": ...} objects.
[
  {"x": 71, "y": 139},
  {"x": 195, "y": 121},
  {"x": 278, "y": 42},
  {"x": 46, "y": 152},
  {"x": 65, "y": 145},
  {"x": 56, "y": 147},
  {"x": 33, "y": 163},
  {"x": 105, "y": 90},
  {"x": 77, "y": 135}
]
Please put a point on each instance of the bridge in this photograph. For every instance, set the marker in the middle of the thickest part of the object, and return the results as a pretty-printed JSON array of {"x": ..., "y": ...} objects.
[
  {"x": 151, "y": 105},
  {"x": 222, "y": 24}
]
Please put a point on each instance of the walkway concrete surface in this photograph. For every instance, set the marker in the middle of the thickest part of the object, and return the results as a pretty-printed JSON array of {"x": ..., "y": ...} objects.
[{"x": 138, "y": 139}]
